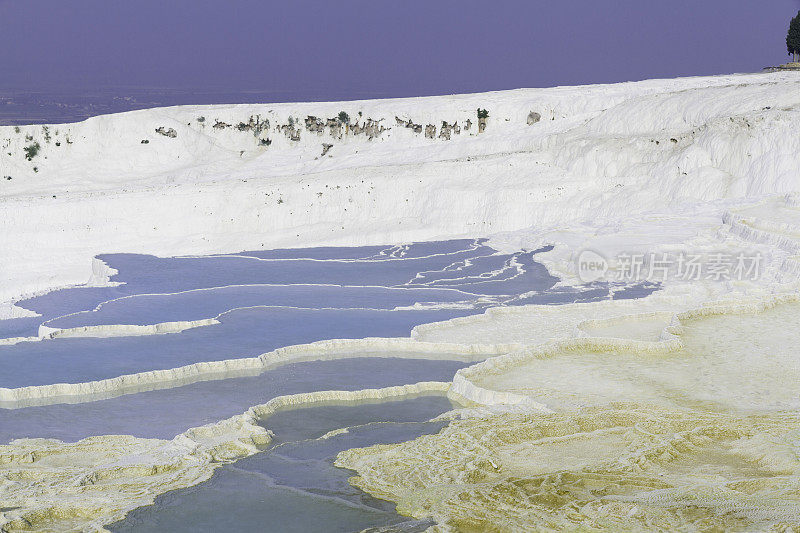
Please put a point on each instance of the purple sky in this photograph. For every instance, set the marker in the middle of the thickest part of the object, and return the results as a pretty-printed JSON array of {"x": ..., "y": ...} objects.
[{"x": 375, "y": 48}]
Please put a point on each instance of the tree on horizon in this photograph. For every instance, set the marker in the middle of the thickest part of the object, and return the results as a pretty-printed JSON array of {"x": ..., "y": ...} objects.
[{"x": 793, "y": 38}]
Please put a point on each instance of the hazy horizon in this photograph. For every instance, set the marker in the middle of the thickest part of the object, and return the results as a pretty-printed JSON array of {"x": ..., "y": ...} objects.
[{"x": 359, "y": 49}]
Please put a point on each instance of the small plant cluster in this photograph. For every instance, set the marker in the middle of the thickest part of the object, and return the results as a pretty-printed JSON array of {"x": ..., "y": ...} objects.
[
  {"x": 482, "y": 113},
  {"x": 31, "y": 150}
]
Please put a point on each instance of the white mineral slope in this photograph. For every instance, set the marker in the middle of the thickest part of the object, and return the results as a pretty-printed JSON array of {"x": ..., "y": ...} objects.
[{"x": 599, "y": 153}]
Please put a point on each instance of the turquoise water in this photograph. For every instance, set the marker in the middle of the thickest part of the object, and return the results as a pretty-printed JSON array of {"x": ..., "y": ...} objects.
[
  {"x": 294, "y": 486},
  {"x": 167, "y": 412}
]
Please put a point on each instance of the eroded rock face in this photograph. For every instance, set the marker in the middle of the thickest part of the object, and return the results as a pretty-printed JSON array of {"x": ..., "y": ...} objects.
[
  {"x": 533, "y": 118},
  {"x": 373, "y": 128},
  {"x": 445, "y": 131},
  {"x": 416, "y": 128},
  {"x": 254, "y": 124},
  {"x": 335, "y": 127},
  {"x": 167, "y": 132},
  {"x": 481, "y": 125},
  {"x": 315, "y": 125},
  {"x": 291, "y": 131}
]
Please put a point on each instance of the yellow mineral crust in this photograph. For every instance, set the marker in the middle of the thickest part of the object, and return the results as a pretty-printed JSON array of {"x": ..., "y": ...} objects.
[
  {"x": 619, "y": 467},
  {"x": 65, "y": 486},
  {"x": 699, "y": 431}
]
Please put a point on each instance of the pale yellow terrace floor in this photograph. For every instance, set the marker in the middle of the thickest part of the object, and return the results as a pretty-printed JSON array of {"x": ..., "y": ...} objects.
[
  {"x": 735, "y": 362},
  {"x": 706, "y": 438}
]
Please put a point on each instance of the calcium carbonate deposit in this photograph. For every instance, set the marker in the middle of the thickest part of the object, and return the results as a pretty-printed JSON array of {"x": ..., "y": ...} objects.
[{"x": 593, "y": 292}]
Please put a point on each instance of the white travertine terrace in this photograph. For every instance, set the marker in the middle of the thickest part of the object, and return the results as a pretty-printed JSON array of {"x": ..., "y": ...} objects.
[{"x": 678, "y": 410}]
